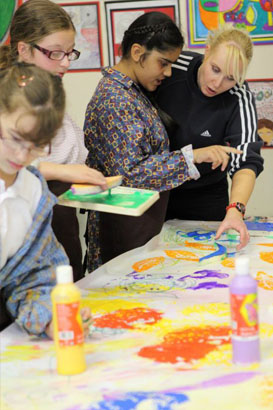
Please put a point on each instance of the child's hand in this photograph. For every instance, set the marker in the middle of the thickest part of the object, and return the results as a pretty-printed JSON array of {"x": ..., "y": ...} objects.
[
  {"x": 86, "y": 320},
  {"x": 49, "y": 330}
]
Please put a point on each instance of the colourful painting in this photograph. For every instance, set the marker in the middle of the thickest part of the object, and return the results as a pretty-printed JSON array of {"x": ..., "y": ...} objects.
[
  {"x": 7, "y": 9},
  {"x": 86, "y": 18},
  {"x": 263, "y": 92},
  {"x": 160, "y": 338},
  {"x": 256, "y": 16},
  {"x": 120, "y": 14}
]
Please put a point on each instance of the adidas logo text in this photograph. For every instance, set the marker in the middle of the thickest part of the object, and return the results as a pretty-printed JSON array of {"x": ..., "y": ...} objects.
[{"x": 205, "y": 134}]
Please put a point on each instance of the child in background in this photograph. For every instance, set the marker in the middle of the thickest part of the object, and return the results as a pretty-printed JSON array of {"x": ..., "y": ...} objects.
[
  {"x": 125, "y": 135},
  {"x": 42, "y": 33},
  {"x": 265, "y": 131},
  {"x": 32, "y": 104}
]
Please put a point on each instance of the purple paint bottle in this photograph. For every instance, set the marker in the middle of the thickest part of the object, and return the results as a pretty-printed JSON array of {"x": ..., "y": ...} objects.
[{"x": 244, "y": 314}]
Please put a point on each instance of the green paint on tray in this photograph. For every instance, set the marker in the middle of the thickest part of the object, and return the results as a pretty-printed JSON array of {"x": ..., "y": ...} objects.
[{"x": 125, "y": 200}]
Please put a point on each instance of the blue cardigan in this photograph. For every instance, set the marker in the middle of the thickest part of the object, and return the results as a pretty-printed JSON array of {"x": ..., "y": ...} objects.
[{"x": 28, "y": 277}]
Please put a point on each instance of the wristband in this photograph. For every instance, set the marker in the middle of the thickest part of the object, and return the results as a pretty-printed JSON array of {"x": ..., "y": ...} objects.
[{"x": 239, "y": 206}]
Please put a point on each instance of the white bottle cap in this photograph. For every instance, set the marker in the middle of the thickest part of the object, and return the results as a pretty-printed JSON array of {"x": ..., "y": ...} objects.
[
  {"x": 64, "y": 274},
  {"x": 242, "y": 265}
]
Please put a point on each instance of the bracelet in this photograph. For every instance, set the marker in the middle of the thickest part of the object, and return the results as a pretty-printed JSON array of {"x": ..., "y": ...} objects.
[{"x": 239, "y": 206}]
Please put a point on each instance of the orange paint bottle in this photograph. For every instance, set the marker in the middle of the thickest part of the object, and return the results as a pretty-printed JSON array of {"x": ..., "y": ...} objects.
[{"x": 68, "y": 330}]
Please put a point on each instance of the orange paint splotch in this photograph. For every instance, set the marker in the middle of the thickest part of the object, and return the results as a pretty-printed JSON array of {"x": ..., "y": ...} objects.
[
  {"x": 264, "y": 280},
  {"x": 228, "y": 263},
  {"x": 188, "y": 344},
  {"x": 128, "y": 318},
  {"x": 184, "y": 255},
  {"x": 266, "y": 244},
  {"x": 267, "y": 256},
  {"x": 201, "y": 246},
  {"x": 148, "y": 263}
]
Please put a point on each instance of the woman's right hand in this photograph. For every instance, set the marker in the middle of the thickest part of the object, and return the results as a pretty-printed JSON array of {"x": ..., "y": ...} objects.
[{"x": 216, "y": 154}]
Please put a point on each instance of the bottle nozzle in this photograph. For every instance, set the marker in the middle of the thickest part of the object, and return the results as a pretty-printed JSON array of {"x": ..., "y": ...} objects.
[{"x": 242, "y": 265}]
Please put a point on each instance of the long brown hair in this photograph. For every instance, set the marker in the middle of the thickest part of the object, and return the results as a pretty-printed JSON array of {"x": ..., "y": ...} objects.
[{"x": 31, "y": 22}]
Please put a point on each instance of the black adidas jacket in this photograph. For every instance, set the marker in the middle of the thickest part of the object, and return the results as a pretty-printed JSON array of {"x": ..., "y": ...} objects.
[{"x": 226, "y": 119}]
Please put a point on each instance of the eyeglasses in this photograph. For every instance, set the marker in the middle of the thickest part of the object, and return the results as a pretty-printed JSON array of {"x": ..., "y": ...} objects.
[
  {"x": 16, "y": 145},
  {"x": 58, "y": 55}
]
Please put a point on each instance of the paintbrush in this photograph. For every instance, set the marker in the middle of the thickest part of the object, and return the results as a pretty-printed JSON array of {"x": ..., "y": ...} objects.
[{"x": 88, "y": 189}]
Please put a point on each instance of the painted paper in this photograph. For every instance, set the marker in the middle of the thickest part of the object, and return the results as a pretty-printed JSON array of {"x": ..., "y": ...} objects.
[
  {"x": 256, "y": 16},
  {"x": 161, "y": 331}
]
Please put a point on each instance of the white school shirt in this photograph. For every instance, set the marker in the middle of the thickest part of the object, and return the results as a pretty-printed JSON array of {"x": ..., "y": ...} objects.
[
  {"x": 18, "y": 204},
  {"x": 68, "y": 145}
]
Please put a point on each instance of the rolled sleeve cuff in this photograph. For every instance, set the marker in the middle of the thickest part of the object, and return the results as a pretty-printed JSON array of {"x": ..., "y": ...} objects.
[{"x": 188, "y": 155}]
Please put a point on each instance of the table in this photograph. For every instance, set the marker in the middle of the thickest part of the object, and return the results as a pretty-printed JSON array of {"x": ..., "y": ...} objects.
[{"x": 161, "y": 335}]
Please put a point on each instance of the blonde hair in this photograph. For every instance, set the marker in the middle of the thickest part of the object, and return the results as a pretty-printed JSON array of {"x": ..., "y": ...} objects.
[
  {"x": 39, "y": 93},
  {"x": 240, "y": 49},
  {"x": 31, "y": 22}
]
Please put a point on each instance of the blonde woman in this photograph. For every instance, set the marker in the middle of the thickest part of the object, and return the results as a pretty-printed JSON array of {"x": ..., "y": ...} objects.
[{"x": 210, "y": 103}]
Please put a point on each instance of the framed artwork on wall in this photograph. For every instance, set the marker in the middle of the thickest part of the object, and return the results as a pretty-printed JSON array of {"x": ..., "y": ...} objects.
[
  {"x": 263, "y": 92},
  {"x": 86, "y": 18},
  {"x": 7, "y": 9},
  {"x": 120, "y": 14},
  {"x": 256, "y": 16}
]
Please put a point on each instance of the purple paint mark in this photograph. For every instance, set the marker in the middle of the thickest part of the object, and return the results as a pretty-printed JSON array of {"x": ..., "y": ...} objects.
[
  {"x": 59, "y": 396},
  {"x": 131, "y": 273},
  {"x": 210, "y": 4},
  {"x": 228, "y": 379},
  {"x": 168, "y": 277},
  {"x": 209, "y": 274},
  {"x": 208, "y": 285},
  {"x": 201, "y": 274}
]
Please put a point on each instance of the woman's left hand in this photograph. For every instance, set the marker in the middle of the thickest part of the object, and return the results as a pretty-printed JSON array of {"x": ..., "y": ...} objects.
[{"x": 233, "y": 220}]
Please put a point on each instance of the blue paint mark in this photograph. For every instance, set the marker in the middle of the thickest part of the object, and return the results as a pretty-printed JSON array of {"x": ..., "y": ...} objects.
[
  {"x": 259, "y": 226},
  {"x": 221, "y": 251},
  {"x": 130, "y": 401},
  {"x": 196, "y": 235},
  {"x": 209, "y": 285},
  {"x": 181, "y": 233},
  {"x": 231, "y": 254},
  {"x": 201, "y": 236},
  {"x": 230, "y": 240}
]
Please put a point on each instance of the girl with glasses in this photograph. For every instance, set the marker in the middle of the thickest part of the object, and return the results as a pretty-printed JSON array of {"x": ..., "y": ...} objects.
[
  {"x": 125, "y": 134},
  {"x": 32, "y": 104},
  {"x": 42, "y": 33}
]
